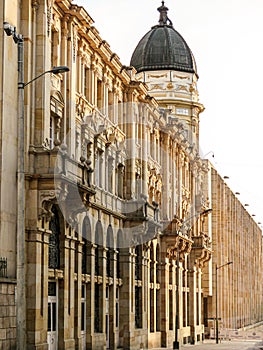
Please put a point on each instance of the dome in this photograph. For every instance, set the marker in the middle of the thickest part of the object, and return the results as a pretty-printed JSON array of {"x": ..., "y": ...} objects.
[{"x": 163, "y": 48}]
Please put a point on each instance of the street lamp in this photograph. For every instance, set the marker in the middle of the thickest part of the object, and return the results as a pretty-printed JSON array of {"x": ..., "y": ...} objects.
[
  {"x": 217, "y": 268},
  {"x": 54, "y": 70},
  {"x": 176, "y": 343},
  {"x": 20, "y": 243}
]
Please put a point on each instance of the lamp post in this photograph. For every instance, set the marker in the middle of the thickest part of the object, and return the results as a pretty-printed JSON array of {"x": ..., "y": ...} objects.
[
  {"x": 20, "y": 223},
  {"x": 217, "y": 268},
  {"x": 176, "y": 343}
]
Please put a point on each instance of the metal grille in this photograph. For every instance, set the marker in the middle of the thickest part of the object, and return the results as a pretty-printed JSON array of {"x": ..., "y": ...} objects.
[
  {"x": 3, "y": 267},
  {"x": 53, "y": 254}
]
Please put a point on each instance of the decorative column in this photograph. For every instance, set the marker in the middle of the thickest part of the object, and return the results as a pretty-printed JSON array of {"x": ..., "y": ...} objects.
[
  {"x": 90, "y": 300},
  {"x": 145, "y": 138},
  {"x": 112, "y": 282},
  {"x": 164, "y": 290},
  {"x": 104, "y": 285},
  {"x": 64, "y": 299},
  {"x": 131, "y": 106},
  {"x": 166, "y": 176},
  {"x": 145, "y": 291},
  {"x": 126, "y": 301},
  {"x": 199, "y": 256},
  {"x": 180, "y": 185},
  {"x": 78, "y": 294},
  {"x": 37, "y": 266},
  {"x": 37, "y": 277},
  {"x": 192, "y": 303}
]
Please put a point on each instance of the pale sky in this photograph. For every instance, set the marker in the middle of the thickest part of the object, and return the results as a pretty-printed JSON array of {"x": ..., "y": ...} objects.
[{"x": 226, "y": 39}]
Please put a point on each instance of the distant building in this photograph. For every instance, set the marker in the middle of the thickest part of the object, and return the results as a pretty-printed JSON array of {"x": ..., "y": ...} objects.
[
  {"x": 236, "y": 238},
  {"x": 120, "y": 240}
]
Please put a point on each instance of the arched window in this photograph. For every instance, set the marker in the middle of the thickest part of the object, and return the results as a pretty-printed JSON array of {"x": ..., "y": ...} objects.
[
  {"x": 98, "y": 297},
  {"x": 138, "y": 262},
  {"x": 53, "y": 246},
  {"x": 86, "y": 249},
  {"x": 158, "y": 263},
  {"x": 119, "y": 252},
  {"x": 110, "y": 252},
  {"x": 151, "y": 263},
  {"x": 98, "y": 249}
]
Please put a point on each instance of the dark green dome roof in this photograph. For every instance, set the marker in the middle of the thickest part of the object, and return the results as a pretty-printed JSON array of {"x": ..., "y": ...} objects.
[{"x": 163, "y": 48}]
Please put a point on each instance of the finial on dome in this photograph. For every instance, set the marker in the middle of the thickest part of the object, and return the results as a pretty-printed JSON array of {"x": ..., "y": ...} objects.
[{"x": 163, "y": 15}]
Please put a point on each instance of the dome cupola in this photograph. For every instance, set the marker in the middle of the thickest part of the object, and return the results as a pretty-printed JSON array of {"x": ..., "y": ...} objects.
[{"x": 163, "y": 48}]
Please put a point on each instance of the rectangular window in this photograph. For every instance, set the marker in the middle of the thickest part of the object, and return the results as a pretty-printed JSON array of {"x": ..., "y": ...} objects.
[
  {"x": 184, "y": 310},
  {"x": 98, "y": 308},
  {"x": 157, "y": 310},
  {"x": 182, "y": 111},
  {"x": 151, "y": 310},
  {"x": 205, "y": 312},
  {"x": 171, "y": 320},
  {"x": 54, "y": 316},
  {"x": 138, "y": 307},
  {"x": 117, "y": 313},
  {"x": 82, "y": 315},
  {"x": 117, "y": 308},
  {"x": 86, "y": 83},
  {"x": 99, "y": 94},
  {"x": 83, "y": 307},
  {"x": 49, "y": 317},
  {"x": 52, "y": 289},
  {"x": 197, "y": 308}
]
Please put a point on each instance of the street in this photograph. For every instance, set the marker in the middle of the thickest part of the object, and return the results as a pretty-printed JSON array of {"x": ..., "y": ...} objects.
[
  {"x": 224, "y": 345},
  {"x": 227, "y": 345},
  {"x": 242, "y": 339}
]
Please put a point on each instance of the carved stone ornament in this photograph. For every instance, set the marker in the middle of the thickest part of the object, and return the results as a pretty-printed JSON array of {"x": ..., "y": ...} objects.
[
  {"x": 46, "y": 200},
  {"x": 35, "y": 4},
  {"x": 61, "y": 191},
  {"x": 75, "y": 43},
  {"x": 202, "y": 256},
  {"x": 157, "y": 76},
  {"x": 180, "y": 245},
  {"x": 49, "y": 15}
]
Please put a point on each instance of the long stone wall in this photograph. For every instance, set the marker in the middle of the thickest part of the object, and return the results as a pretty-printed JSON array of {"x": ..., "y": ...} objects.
[
  {"x": 237, "y": 238},
  {"x": 7, "y": 314}
]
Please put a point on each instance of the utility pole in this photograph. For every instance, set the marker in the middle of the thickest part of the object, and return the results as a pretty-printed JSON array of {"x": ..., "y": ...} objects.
[{"x": 20, "y": 221}]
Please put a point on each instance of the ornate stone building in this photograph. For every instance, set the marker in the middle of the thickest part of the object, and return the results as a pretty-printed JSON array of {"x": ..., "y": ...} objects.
[{"x": 118, "y": 226}]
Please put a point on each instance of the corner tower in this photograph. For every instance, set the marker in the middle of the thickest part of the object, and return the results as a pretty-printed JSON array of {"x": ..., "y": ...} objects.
[{"x": 164, "y": 61}]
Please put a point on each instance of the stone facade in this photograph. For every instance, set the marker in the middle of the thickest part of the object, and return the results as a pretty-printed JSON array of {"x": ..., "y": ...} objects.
[
  {"x": 7, "y": 314},
  {"x": 237, "y": 238},
  {"x": 118, "y": 227}
]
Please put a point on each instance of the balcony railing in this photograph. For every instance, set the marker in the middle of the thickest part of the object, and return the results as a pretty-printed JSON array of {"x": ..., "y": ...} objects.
[
  {"x": 202, "y": 241},
  {"x": 141, "y": 210}
]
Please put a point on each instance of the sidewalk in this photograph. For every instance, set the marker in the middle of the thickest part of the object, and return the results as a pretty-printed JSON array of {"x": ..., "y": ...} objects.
[{"x": 224, "y": 345}]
